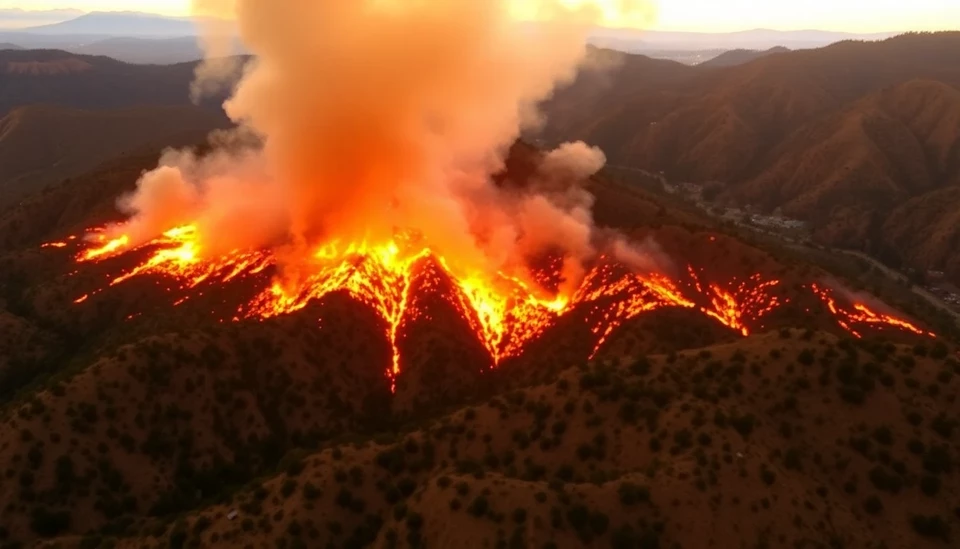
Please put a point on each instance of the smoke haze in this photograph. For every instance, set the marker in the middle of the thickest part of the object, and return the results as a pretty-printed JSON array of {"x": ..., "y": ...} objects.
[{"x": 378, "y": 116}]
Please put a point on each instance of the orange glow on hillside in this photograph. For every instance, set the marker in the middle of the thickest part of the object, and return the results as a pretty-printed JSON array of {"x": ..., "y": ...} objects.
[
  {"x": 859, "y": 314},
  {"x": 506, "y": 312}
]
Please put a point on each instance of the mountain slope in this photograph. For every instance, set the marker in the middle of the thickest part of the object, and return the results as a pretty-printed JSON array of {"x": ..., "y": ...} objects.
[
  {"x": 41, "y": 145},
  {"x": 925, "y": 230},
  {"x": 611, "y": 79},
  {"x": 86, "y": 82},
  {"x": 733, "y": 58},
  {"x": 126, "y": 415},
  {"x": 847, "y": 173},
  {"x": 837, "y": 136},
  {"x": 158, "y": 51}
]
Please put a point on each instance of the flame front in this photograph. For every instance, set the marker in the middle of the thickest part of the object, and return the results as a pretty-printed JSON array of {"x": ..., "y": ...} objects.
[
  {"x": 862, "y": 315},
  {"x": 749, "y": 301},
  {"x": 504, "y": 311}
]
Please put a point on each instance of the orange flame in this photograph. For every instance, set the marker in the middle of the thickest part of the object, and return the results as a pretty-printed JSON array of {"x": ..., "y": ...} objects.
[
  {"x": 860, "y": 313},
  {"x": 506, "y": 312},
  {"x": 748, "y": 302}
]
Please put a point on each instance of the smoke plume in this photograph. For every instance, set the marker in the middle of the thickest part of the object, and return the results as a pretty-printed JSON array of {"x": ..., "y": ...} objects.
[{"x": 376, "y": 116}]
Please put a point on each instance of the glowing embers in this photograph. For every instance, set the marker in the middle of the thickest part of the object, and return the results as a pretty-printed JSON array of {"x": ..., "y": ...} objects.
[
  {"x": 747, "y": 303},
  {"x": 854, "y": 315},
  {"x": 177, "y": 254},
  {"x": 503, "y": 312},
  {"x": 506, "y": 314},
  {"x": 617, "y": 296},
  {"x": 403, "y": 279},
  {"x": 379, "y": 276}
]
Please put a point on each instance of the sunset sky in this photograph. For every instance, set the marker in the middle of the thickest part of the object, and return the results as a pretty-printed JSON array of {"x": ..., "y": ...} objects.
[{"x": 687, "y": 15}]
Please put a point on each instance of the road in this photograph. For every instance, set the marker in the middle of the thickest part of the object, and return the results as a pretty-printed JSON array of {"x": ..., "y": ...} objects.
[{"x": 891, "y": 273}]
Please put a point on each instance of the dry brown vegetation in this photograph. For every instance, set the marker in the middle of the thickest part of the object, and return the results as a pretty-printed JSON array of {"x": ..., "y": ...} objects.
[
  {"x": 853, "y": 137},
  {"x": 129, "y": 422},
  {"x": 150, "y": 431},
  {"x": 40, "y": 145},
  {"x": 789, "y": 439}
]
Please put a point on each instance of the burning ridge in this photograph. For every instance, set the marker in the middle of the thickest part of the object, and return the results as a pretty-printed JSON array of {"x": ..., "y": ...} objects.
[{"x": 504, "y": 312}]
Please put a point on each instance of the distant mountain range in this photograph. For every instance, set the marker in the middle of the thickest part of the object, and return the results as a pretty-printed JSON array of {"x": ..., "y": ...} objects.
[
  {"x": 18, "y": 18},
  {"x": 145, "y": 51},
  {"x": 86, "y": 32},
  {"x": 130, "y": 24},
  {"x": 634, "y": 41},
  {"x": 131, "y": 37}
]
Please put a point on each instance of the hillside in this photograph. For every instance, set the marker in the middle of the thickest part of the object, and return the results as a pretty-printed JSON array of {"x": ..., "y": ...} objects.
[
  {"x": 837, "y": 136},
  {"x": 849, "y": 171},
  {"x": 41, "y": 145},
  {"x": 767, "y": 442},
  {"x": 158, "y": 51},
  {"x": 700, "y": 388},
  {"x": 132, "y": 417},
  {"x": 733, "y": 58},
  {"x": 56, "y": 77},
  {"x": 613, "y": 80}
]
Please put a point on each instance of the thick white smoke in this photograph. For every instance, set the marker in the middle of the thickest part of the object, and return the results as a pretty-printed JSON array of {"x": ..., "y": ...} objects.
[{"x": 373, "y": 116}]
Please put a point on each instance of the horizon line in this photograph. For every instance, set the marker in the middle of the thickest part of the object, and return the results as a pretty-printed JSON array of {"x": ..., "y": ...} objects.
[{"x": 653, "y": 28}]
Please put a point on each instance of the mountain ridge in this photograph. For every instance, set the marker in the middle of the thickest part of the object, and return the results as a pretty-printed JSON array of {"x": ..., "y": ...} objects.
[{"x": 733, "y": 125}]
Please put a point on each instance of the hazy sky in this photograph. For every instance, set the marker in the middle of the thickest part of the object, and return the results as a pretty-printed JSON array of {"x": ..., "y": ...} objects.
[{"x": 694, "y": 15}]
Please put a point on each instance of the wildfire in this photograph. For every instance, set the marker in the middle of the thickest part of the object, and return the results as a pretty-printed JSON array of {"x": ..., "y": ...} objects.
[
  {"x": 618, "y": 299},
  {"x": 748, "y": 302},
  {"x": 861, "y": 314},
  {"x": 505, "y": 312},
  {"x": 178, "y": 255}
]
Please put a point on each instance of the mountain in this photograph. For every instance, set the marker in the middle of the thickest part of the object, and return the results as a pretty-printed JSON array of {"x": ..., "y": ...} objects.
[
  {"x": 612, "y": 79},
  {"x": 163, "y": 51},
  {"x": 9, "y": 47},
  {"x": 757, "y": 39},
  {"x": 130, "y": 420},
  {"x": 128, "y": 24},
  {"x": 87, "y": 82},
  {"x": 18, "y": 18},
  {"x": 733, "y": 58},
  {"x": 40, "y": 145},
  {"x": 32, "y": 41},
  {"x": 837, "y": 136},
  {"x": 771, "y": 401},
  {"x": 846, "y": 172}
]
